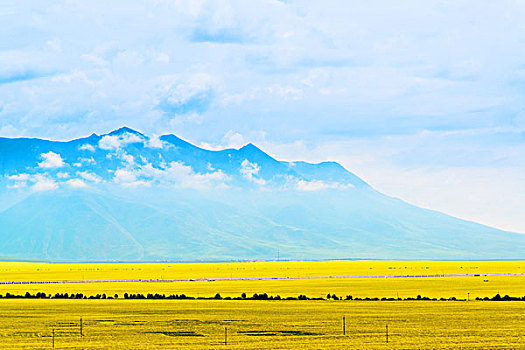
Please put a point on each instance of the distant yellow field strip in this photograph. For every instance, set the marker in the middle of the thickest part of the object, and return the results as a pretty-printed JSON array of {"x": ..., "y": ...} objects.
[{"x": 260, "y": 278}]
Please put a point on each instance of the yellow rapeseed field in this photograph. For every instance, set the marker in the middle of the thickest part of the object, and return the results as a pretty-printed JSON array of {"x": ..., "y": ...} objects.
[
  {"x": 257, "y": 324},
  {"x": 201, "y": 324},
  {"x": 23, "y": 271},
  {"x": 474, "y": 286}
]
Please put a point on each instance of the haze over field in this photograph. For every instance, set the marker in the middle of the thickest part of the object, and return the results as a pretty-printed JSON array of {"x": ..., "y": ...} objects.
[{"x": 128, "y": 196}]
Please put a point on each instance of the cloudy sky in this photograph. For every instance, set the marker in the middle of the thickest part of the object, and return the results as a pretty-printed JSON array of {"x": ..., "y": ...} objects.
[{"x": 422, "y": 99}]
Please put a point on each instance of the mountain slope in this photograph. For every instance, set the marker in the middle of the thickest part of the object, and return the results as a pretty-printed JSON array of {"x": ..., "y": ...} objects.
[
  {"x": 125, "y": 196},
  {"x": 65, "y": 224}
]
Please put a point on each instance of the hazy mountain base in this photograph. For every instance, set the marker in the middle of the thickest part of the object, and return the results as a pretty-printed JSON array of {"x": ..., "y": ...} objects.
[
  {"x": 110, "y": 222},
  {"x": 251, "y": 206}
]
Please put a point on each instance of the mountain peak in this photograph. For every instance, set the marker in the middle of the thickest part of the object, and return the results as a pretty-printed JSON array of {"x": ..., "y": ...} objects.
[
  {"x": 177, "y": 141},
  {"x": 250, "y": 147},
  {"x": 254, "y": 153},
  {"x": 125, "y": 130}
]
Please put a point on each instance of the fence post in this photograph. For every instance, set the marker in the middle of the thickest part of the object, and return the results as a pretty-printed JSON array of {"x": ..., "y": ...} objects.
[
  {"x": 81, "y": 333},
  {"x": 387, "y": 333},
  {"x": 53, "y": 337},
  {"x": 225, "y": 336},
  {"x": 344, "y": 326}
]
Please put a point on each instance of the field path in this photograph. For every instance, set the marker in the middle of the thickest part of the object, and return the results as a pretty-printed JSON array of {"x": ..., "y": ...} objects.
[{"x": 260, "y": 278}]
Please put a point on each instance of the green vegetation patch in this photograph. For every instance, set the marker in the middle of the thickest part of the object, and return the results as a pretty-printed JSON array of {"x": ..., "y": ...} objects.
[
  {"x": 276, "y": 333},
  {"x": 180, "y": 334},
  {"x": 131, "y": 323}
]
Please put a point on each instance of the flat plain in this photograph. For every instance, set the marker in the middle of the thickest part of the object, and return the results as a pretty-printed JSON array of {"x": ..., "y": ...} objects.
[
  {"x": 201, "y": 324},
  {"x": 324, "y": 278},
  {"x": 258, "y": 324}
]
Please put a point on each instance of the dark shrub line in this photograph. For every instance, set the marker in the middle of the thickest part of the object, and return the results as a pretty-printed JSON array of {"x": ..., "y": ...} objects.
[
  {"x": 217, "y": 296},
  {"x": 498, "y": 297},
  {"x": 41, "y": 295},
  {"x": 262, "y": 296}
]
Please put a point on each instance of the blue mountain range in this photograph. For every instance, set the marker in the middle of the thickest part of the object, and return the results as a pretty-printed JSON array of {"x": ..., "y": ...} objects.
[{"x": 128, "y": 196}]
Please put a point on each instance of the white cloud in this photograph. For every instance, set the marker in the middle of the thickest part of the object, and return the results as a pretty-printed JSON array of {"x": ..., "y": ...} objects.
[
  {"x": 51, "y": 160},
  {"x": 20, "y": 184},
  {"x": 316, "y": 185},
  {"x": 173, "y": 174},
  {"x": 127, "y": 178},
  {"x": 20, "y": 180},
  {"x": 76, "y": 183},
  {"x": 286, "y": 92},
  {"x": 19, "y": 177},
  {"x": 163, "y": 58},
  {"x": 128, "y": 59},
  {"x": 91, "y": 177},
  {"x": 44, "y": 183},
  {"x": 183, "y": 176},
  {"x": 90, "y": 160},
  {"x": 87, "y": 147},
  {"x": 187, "y": 96},
  {"x": 236, "y": 140},
  {"x": 128, "y": 158},
  {"x": 231, "y": 139},
  {"x": 248, "y": 170},
  {"x": 114, "y": 142},
  {"x": 239, "y": 98},
  {"x": 72, "y": 77},
  {"x": 83, "y": 161},
  {"x": 155, "y": 142}
]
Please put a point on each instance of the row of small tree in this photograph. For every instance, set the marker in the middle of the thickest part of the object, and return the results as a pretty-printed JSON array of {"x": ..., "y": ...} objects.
[
  {"x": 262, "y": 296},
  {"x": 41, "y": 295}
]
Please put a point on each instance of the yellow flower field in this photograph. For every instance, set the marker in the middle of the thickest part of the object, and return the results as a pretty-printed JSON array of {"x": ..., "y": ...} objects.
[
  {"x": 201, "y": 324},
  {"x": 460, "y": 287},
  {"x": 256, "y": 324},
  {"x": 22, "y": 271}
]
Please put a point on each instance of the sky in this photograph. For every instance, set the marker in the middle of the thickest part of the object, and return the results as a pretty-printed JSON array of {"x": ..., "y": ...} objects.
[{"x": 424, "y": 100}]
